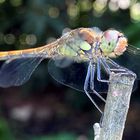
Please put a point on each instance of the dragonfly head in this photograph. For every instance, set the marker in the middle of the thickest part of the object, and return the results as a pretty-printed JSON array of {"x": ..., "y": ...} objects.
[{"x": 113, "y": 43}]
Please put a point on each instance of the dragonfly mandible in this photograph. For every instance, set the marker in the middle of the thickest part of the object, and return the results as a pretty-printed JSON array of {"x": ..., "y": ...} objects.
[{"x": 90, "y": 46}]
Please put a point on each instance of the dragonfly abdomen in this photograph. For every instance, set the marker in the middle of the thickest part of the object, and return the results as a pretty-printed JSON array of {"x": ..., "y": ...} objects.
[
  {"x": 4, "y": 55},
  {"x": 45, "y": 51}
]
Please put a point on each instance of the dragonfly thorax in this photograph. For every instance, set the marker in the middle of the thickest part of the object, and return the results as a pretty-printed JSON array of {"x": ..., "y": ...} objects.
[{"x": 84, "y": 44}]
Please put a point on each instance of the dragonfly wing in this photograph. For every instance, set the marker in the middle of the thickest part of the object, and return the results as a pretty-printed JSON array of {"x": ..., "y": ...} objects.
[
  {"x": 130, "y": 60},
  {"x": 96, "y": 29},
  {"x": 63, "y": 62},
  {"x": 16, "y": 72},
  {"x": 73, "y": 75}
]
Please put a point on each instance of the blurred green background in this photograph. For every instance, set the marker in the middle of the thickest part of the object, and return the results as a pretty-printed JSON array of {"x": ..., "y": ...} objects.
[{"x": 43, "y": 109}]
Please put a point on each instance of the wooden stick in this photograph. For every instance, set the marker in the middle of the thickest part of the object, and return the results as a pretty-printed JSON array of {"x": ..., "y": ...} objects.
[{"x": 116, "y": 108}]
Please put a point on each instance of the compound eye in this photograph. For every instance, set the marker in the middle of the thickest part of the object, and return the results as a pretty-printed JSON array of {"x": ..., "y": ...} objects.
[{"x": 111, "y": 35}]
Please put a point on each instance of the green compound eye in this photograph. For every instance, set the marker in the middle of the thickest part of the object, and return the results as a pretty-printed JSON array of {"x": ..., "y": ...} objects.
[
  {"x": 107, "y": 47},
  {"x": 85, "y": 46},
  {"x": 112, "y": 44}
]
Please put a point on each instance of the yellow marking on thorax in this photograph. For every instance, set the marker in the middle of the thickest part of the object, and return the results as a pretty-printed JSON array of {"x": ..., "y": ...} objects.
[{"x": 85, "y": 46}]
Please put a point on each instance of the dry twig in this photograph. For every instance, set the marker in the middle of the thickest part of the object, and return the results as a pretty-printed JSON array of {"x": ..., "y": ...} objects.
[{"x": 116, "y": 108}]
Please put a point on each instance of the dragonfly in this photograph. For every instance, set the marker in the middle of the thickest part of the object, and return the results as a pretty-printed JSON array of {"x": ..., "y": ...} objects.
[{"x": 79, "y": 59}]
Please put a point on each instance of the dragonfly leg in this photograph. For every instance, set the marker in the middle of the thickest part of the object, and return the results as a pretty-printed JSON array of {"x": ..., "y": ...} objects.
[
  {"x": 118, "y": 68},
  {"x": 92, "y": 82},
  {"x": 106, "y": 67},
  {"x": 113, "y": 63},
  {"x": 86, "y": 87}
]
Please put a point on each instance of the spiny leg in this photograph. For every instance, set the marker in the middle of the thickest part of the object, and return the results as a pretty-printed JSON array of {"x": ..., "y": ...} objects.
[
  {"x": 102, "y": 61},
  {"x": 92, "y": 82},
  {"x": 86, "y": 87},
  {"x": 94, "y": 91},
  {"x": 119, "y": 69},
  {"x": 113, "y": 63},
  {"x": 99, "y": 71},
  {"x": 105, "y": 65}
]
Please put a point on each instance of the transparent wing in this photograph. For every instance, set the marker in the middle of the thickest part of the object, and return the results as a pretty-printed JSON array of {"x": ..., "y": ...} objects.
[
  {"x": 96, "y": 29},
  {"x": 63, "y": 62},
  {"x": 133, "y": 50},
  {"x": 131, "y": 60},
  {"x": 16, "y": 72},
  {"x": 73, "y": 75}
]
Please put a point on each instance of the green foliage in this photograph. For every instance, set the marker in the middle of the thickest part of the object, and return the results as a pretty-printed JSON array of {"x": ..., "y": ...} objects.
[
  {"x": 5, "y": 132},
  {"x": 61, "y": 136}
]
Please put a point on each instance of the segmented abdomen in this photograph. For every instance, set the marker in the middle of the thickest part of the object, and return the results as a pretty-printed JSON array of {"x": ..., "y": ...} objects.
[{"x": 43, "y": 51}]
